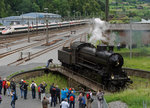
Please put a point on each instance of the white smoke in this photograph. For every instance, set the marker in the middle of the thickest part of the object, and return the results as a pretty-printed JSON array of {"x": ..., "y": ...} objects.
[
  {"x": 112, "y": 39},
  {"x": 99, "y": 28}
]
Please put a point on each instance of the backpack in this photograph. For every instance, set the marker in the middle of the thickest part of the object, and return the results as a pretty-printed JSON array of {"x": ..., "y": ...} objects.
[
  {"x": 15, "y": 97},
  {"x": 54, "y": 89},
  {"x": 88, "y": 95},
  {"x": 100, "y": 97},
  {"x": 71, "y": 98},
  {"x": 33, "y": 87},
  {"x": 39, "y": 89}
]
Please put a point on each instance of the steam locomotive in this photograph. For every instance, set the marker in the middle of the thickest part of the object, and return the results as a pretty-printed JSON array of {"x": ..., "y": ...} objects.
[{"x": 99, "y": 63}]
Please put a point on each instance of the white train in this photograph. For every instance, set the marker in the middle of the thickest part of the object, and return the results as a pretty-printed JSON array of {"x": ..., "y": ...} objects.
[{"x": 25, "y": 28}]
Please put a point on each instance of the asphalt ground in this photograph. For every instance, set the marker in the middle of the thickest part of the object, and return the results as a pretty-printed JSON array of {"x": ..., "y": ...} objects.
[{"x": 29, "y": 103}]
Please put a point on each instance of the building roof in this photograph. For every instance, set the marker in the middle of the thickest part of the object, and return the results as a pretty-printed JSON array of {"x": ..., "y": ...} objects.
[
  {"x": 41, "y": 15},
  {"x": 33, "y": 15},
  {"x": 16, "y": 17}
]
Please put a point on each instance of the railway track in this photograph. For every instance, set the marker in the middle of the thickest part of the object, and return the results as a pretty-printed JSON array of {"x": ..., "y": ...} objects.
[
  {"x": 138, "y": 73},
  {"x": 42, "y": 41},
  {"x": 24, "y": 47},
  {"x": 55, "y": 45},
  {"x": 9, "y": 41}
]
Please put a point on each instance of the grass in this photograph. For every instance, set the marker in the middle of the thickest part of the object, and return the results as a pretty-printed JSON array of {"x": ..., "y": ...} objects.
[
  {"x": 14, "y": 74},
  {"x": 50, "y": 78},
  {"x": 135, "y": 50},
  {"x": 135, "y": 95},
  {"x": 140, "y": 61}
]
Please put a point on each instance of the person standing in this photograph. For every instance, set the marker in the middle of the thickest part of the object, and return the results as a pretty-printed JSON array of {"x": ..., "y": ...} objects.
[
  {"x": 64, "y": 104},
  {"x": 0, "y": 99},
  {"x": 89, "y": 98},
  {"x": 82, "y": 102},
  {"x": 4, "y": 86},
  {"x": 1, "y": 83},
  {"x": 45, "y": 102},
  {"x": 53, "y": 95},
  {"x": 72, "y": 100},
  {"x": 8, "y": 87},
  {"x": 39, "y": 91},
  {"x": 100, "y": 98},
  {"x": 42, "y": 89},
  {"x": 13, "y": 85},
  {"x": 33, "y": 88},
  {"x": 57, "y": 94},
  {"x": 25, "y": 89},
  {"x": 82, "y": 91},
  {"x": 64, "y": 94},
  {"x": 21, "y": 88},
  {"x": 68, "y": 94},
  {"x": 13, "y": 95}
]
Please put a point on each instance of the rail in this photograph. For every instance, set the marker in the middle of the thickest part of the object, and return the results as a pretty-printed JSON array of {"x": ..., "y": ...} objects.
[
  {"x": 137, "y": 72},
  {"x": 54, "y": 46}
]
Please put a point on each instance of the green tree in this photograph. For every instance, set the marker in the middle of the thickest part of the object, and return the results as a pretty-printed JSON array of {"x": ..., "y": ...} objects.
[
  {"x": 2, "y": 9},
  {"x": 35, "y": 7}
]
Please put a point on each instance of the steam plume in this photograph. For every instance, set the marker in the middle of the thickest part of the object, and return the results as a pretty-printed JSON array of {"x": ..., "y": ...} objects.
[{"x": 99, "y": 28}]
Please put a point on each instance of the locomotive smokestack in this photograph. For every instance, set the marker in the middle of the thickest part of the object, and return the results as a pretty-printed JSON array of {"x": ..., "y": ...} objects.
[
  {"x": 101, "y": 48},
  {"x": 110, "y": 48}
]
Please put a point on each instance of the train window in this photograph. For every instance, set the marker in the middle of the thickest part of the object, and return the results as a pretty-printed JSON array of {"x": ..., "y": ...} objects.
[{"x": 7, "y": 28}]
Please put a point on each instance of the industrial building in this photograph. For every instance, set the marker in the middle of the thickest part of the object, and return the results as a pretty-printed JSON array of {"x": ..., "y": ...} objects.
[{"x": 31, "y": 18}]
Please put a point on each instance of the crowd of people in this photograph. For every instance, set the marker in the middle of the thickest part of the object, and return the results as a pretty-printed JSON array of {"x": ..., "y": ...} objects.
[{"x": 64, "y": 97}]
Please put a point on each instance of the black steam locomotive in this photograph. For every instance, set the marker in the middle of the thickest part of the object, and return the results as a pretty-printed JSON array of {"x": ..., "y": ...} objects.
[{"x": 100, "y": 64}]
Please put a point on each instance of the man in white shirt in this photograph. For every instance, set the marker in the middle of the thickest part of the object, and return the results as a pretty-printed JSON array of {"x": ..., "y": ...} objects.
[
  {"x": 64, "y": 103},
  {"x": 33, "y": 88}
]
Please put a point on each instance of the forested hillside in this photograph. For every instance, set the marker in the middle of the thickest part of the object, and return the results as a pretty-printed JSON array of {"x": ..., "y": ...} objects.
[
  {"x": 63, "y": 7},
  {"x": 122, "y": 11}
]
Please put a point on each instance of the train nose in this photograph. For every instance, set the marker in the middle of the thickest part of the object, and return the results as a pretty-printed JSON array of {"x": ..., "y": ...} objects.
[{"x": 4, "y": 32}]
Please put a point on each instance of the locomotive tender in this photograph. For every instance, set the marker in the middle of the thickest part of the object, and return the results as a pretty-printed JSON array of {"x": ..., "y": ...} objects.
[{"x": 100, "y": 64}]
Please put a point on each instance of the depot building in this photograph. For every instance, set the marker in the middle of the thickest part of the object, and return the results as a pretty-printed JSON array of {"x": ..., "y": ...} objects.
[{"x": 31, "y": 18}]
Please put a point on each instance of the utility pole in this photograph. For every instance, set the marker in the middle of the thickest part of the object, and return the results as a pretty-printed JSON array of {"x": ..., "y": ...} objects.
[
  {"x": 130, "y": 39},
  {"x": 47, "y": 31},
  {"x": 107, "y": 10},
  {"x": 46, "y": 19},
  {"x": 28, "y": 32}
]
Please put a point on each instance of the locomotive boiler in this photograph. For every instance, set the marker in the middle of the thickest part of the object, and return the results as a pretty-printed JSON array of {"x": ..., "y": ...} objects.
[{"x": 99, "y": 63}]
